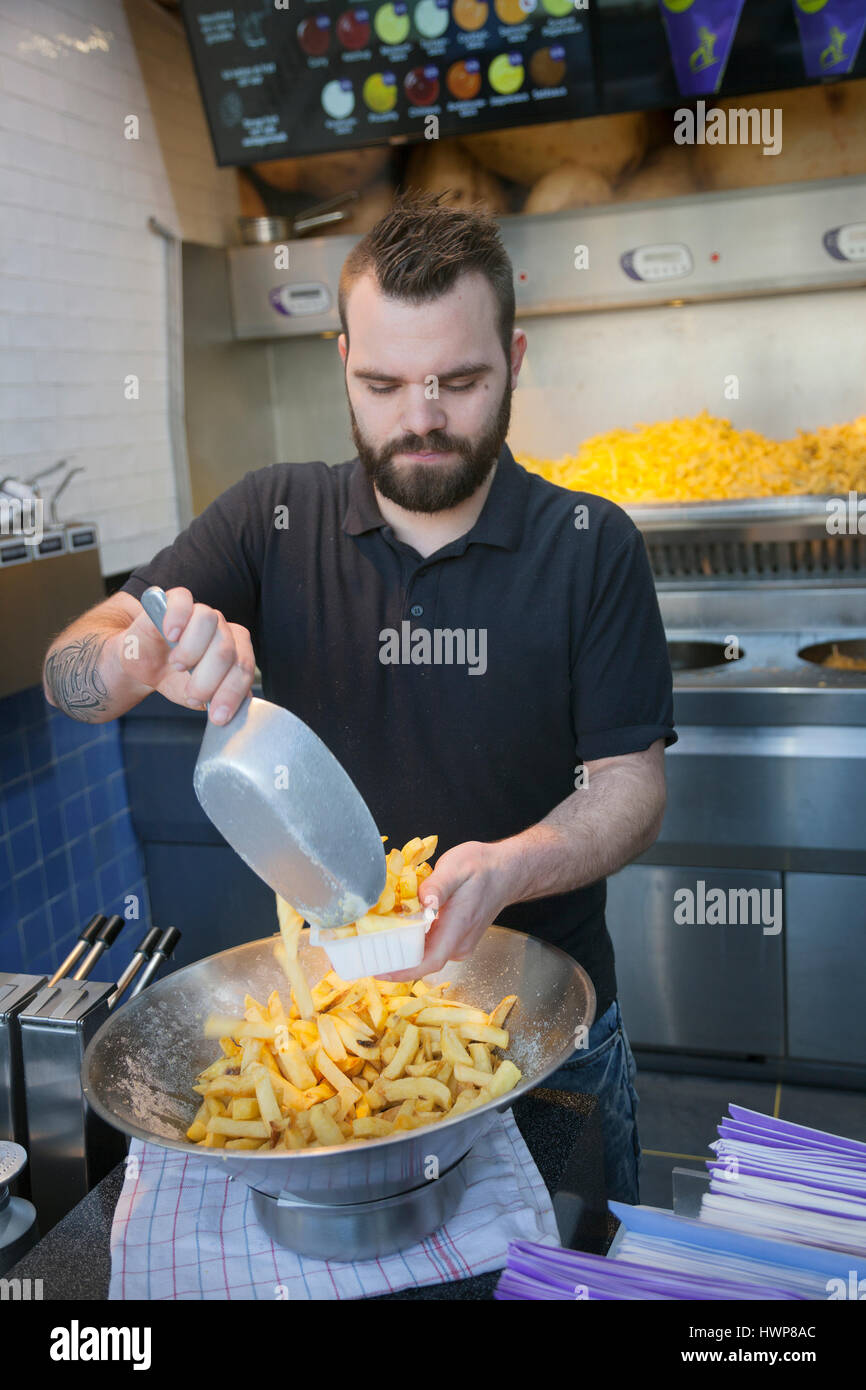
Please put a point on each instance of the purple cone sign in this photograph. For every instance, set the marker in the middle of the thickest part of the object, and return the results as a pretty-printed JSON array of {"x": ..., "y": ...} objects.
[
  {"x": 830, "y": 34},
  {"x": 700, "y": 36}
]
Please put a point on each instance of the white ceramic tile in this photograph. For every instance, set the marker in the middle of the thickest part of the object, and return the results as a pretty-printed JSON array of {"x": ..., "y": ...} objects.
[
  {"x": 26, "y": 403},
  {"x": 17, "y": 258},
  {"x": 82, "y": 279},
  {"x": 31, "y": 118},
  {"x": 25, "y": 437},
  {"x": 17, "y": 366}
]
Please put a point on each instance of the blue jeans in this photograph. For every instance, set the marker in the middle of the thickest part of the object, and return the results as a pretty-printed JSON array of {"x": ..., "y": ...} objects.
[{"x": 606, "y": 1068}]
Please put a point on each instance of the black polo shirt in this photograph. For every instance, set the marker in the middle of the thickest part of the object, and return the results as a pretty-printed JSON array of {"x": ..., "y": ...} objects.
[{"x": 460, "y": 691}]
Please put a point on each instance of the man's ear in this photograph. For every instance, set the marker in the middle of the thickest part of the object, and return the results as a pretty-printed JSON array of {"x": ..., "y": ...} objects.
[
  {"x": 343, "y": 346},
  {"x": 518, "y": 348}
]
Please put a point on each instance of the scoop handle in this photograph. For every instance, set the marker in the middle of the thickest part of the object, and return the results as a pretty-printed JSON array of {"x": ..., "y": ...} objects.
[{"x": 155, "y": 603}]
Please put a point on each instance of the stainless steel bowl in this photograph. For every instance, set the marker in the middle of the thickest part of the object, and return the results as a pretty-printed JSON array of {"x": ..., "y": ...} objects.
[{"x": 139, "y": 1068}]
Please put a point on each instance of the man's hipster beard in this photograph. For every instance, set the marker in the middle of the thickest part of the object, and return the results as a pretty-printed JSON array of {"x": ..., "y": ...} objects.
[{"x": 434, "y": 487}]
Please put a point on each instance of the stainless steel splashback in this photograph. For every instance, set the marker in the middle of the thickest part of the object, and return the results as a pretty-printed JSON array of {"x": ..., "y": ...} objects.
[
  {"x": 710, "y": 246},
  {"x": 768, "y": 335}
]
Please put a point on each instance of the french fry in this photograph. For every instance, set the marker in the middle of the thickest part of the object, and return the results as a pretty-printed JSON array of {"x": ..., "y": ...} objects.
[
  {"x": 480, "y": 1057},
  {"x": 371, "y": 1127},
  {"x": 405, "y": 1052},
  {"x": 482, "y": 1033},
  {"x": 291, "y": 923},
  {"x": 238, "y": 1129},
  {"x": 268, "y": 1106},
  {"x": 331, "y": 1073},
  {"x": 439, "y": 1013},
  {"x": 472, "y": 1075},
  {"x": 217, "y": 1024},
  {"x": 504, "y": 1079},
  {"x": 452, "y": 1048},
  {"x": 502, "y": 1010},
  {"x": 324, "y": 1126},
  {"x": 368, "y": 1060},
  {"x": 293, "y": 1064},
  {"x": 330, "y": 1039},
  {"x": 411, "y": 1086}
]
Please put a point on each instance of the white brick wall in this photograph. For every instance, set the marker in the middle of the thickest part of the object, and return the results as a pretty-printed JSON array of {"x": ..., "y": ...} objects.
[{"x": 82, "y": 279}]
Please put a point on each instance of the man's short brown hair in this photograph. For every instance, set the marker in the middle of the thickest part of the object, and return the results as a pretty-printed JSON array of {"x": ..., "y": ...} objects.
[{"x": 417, "y": 251}]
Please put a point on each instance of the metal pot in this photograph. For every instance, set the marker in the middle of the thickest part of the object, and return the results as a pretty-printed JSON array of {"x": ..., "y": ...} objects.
[{"x": 139, "y": 1068}]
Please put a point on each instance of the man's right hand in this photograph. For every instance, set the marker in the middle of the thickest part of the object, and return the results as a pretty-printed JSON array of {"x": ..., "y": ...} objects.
[{"x": 213, "y": 662}]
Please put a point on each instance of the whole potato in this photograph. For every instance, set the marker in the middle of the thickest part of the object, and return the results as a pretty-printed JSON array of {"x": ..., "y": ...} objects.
[
  {"x": 668, "y": 173},
  {"x": 569, "y": 186},
  {"x": 611, "y": 145},
  {"x": 326, "y": 175},
  {"x": 822, "y": 138},
  {"x": 442, "y": 166}
]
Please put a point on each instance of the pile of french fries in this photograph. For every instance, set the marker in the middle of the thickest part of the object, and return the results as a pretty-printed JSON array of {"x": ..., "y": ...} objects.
[
  {"x": 405, "y": 869},
  {"x": 348, "y": 1062}
]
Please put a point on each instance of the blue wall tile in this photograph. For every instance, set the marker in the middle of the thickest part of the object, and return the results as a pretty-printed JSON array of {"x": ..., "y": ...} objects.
[
  {"x": 12, "y": 953},
  {"x": 37, "y": 934},
  {"x": 38, "y": 744},
  {"x": 29, "y": 890},
  {"x": 99, "y": 803},
  {"x": 76, "y": 816},
  {"x": 56, "y": 873},
  {"x": 13, "y": 762},
  {"x": 69, "y": 774},
  {"x": 67, "y": 845},
  {"x": 52, "y": 833},
  {"x": 5, "y": 863},
  {"x": 23, "y": 847},
  {"x": 18, "y": 802}
]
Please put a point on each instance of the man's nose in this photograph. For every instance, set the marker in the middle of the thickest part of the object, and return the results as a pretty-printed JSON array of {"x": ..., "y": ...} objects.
[{"x": 421, "y": 415}]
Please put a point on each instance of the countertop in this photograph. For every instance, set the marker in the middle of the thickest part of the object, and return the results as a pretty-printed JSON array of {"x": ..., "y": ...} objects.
[{"x": 562, "y": 1132}]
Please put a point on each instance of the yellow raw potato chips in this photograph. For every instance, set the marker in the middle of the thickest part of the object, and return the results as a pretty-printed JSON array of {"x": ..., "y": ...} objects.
[{"x": 707, "y": 459}]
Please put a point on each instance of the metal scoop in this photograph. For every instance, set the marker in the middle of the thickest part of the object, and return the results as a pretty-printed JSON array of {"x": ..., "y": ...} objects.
[{"x": 287, "y": 807}]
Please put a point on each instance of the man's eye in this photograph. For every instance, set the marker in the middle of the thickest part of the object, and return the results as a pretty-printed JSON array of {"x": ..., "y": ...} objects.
[
  {"x": 467, "y": 387},
  {"x": 381, "y": 390}
]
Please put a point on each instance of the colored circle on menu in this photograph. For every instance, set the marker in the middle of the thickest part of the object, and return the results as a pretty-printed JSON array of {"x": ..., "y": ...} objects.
[
  {"x": 464, "y": 79},
  {"x": 338, "y": 99},
  {"x": 558, "y": 7},
  {"x": 547, "y": 66},
  {"x": 470, "y": 14},
  {"x": 380, "y": 91},
  {"x": 314, "y": 35},
  {"x": 391, "y": 22},
  {"x": 421, "y": 85},
  {"x": 431, "y": 18},
  {"x": 353, "y": 29},
  {"x": 510, "y": 11},
  {"x": 506, "y": 73}
]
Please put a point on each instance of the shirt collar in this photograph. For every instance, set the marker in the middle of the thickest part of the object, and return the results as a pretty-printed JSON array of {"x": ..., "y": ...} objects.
[{"x": 500, "y": 523}]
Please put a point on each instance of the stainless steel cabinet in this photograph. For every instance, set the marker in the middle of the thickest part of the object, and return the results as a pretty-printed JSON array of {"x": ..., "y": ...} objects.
[
  {"x": 826, "y": 966},
  {"x": 696, "y": 987}
]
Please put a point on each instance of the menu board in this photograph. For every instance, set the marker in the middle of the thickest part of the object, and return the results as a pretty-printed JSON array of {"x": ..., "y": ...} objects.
[{"x": 321, "y": 75}]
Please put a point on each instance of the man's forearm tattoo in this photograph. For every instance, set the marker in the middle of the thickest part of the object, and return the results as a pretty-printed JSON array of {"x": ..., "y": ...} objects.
[{"x": 72, "y": 676}]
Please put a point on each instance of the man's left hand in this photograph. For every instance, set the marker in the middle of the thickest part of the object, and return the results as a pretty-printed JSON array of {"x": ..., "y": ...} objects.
[{"x": 470, "y": 884}]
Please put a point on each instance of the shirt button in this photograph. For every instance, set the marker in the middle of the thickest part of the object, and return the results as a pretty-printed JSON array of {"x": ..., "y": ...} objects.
[{"x": 416, "y": 610}]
